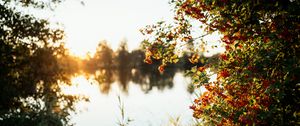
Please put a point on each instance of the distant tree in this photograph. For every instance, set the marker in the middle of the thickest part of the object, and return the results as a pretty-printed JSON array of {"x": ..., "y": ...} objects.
[
  {"x": 258, "y": 74},
  {"x": 139, "y": 56},
  {"x": 122, "y": 57},
  {"x": 30, "y": 72},
  {"x": 104, "y": 55},
  {"x": 71, "y": 65},
  {"x": 124, "y": 64}
]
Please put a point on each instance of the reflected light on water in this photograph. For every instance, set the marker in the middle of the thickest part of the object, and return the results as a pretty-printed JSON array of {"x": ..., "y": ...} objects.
[
  {"x": 80, "y": 86},
  {"x": 153, "y": 108}
]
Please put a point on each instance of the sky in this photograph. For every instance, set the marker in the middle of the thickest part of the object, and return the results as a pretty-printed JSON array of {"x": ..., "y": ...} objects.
[{"x": 112, "y": 20}]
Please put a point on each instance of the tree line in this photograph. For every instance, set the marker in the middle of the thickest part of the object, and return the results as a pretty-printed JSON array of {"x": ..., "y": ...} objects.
[{"x": 123, "y": 66}]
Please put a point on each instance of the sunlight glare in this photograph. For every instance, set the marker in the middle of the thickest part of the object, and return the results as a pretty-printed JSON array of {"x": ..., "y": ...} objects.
[
  {"x": 112, "y": 20},
  {"x": 80, "y": 86}
]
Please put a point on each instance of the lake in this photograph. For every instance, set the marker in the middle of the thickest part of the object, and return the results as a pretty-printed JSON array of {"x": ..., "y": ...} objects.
[{"x": 154, "y": 101}]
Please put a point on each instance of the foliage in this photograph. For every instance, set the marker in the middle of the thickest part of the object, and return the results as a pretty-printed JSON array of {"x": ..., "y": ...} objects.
[
  {"x": 104, "y": 54},
  {"x": 30, "y": 70},
  {"x": 258, "y": 74}
]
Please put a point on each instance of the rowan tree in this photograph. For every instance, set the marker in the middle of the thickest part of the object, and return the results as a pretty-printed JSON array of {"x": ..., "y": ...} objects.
[{"x": 258, "y": 76}]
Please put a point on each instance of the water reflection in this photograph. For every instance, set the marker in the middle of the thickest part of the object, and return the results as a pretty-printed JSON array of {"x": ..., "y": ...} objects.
[
  {"x": 123, "y": 67},
  {"x": 155, "y": 107},
  {"x": 144, "y": 75},
  {"x": 146, "y": 79}
]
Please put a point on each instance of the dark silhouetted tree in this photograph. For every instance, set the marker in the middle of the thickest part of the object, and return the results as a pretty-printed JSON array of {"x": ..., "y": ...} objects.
[{"x": 30, "y": 72}]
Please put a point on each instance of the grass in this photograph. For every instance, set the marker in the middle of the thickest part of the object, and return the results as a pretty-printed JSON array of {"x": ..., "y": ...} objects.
[{"x": 124, "y": 121}]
